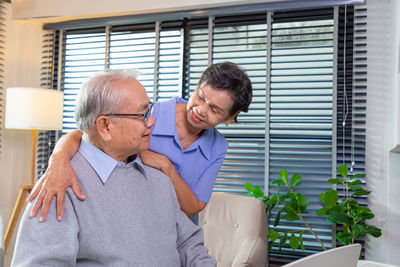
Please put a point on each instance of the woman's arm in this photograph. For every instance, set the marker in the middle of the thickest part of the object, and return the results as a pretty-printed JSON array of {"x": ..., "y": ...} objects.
[
  {"x": 187, "y": 200},
  {"x": 58, "y": 177}
]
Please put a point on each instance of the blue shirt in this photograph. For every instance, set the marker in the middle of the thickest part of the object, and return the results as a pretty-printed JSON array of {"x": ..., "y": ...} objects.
[
  {"x": 102, "y": 163},
  {"x": 200, "y": 163}
]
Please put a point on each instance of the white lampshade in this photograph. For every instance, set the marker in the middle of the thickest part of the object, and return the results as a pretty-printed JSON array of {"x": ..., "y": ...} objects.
[{"x": 34, "y": 108}]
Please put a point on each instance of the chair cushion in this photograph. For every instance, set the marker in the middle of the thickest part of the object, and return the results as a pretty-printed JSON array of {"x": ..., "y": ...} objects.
[{"x": 233, "y": 224}]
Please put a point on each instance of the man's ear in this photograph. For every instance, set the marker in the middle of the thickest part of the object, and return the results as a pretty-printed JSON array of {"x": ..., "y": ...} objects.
[
  {"x": 103, "y": 127},
  {"x": 231, "y": 118}
]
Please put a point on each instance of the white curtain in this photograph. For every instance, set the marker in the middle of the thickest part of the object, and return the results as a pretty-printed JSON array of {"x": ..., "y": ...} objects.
[{"x": 381, "y": 125}]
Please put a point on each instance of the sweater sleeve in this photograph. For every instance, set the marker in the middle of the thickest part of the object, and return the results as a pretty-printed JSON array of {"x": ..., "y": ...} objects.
[
  {"x": 50, "y": 243},
  {"x": 190, "y": 241}
]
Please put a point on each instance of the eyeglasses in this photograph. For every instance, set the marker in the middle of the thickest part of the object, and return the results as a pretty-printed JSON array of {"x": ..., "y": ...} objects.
[
  {"x": 215, "y": 110},
  {"x": 145, "y": 115}
]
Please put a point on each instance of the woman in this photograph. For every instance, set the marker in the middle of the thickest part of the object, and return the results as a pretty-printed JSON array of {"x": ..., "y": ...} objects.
[{"x": 184, "y": 144}]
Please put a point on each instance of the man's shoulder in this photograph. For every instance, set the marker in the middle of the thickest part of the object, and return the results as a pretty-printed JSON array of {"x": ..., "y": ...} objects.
[
  {"x": 155, "y": 173},
  {"x": 157, "y": 177},
  {"x": 79, "y": 161}
]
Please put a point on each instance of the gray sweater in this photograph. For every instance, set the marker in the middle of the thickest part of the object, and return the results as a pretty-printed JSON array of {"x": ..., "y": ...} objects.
[{"x": 130, "y": 220}]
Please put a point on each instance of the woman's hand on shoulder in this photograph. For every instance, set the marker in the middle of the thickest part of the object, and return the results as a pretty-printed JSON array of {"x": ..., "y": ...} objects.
[
  {"x": 54, "y": 182},
  {"x": 155, "y": 160}
]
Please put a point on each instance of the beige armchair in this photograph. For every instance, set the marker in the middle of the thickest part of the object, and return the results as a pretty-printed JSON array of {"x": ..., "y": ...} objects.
[{"x": 235, "y": 230}]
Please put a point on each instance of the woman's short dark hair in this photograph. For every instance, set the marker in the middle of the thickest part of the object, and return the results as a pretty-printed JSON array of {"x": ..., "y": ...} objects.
[{"x": 230, "y": 77}]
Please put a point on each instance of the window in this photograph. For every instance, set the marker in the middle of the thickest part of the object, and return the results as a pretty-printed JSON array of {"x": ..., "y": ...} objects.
[{"x": 306, "y": 68}]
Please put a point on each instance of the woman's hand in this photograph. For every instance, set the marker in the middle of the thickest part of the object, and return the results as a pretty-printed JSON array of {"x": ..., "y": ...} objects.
[
  {"x": 155, "y": 160},
  {"x": 54, "y": 182}
]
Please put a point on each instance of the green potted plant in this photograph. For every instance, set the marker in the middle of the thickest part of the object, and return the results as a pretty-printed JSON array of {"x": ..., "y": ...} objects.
[
  {"x": 290, "y": 205},
  {"x": 347, "y": 212}
]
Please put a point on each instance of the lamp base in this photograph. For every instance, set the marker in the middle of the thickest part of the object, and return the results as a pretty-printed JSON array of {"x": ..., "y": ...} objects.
[{"x": 22, "y": 195}]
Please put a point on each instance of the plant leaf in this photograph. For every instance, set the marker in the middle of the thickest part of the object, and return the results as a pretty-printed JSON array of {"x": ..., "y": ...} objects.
[
  {"x": 360, "y": 175},
  {"x": 293, "y": 242},
  {"x": 342, "y": 169},
  {"x": 301, "y": 241},
  {"x": 356, "y": 182},
  {"x": 322, "y": 212},
  {"x": 348, "y": 202},
  {"x": 249, "y": 187},
  {"x": 361, "y": 228},
  {"x": 367, "y": 216},
  {"x": 279, "y": 182},
  {"x": 284, "y": 175},
  {"x": 338, "y": 217},
  {"x": 302, "y": 202},
  {"x": 335, "y": 181},
  {"x": 356, "y": 230},
  {"x": 270, "y": 244},
  {"x": 361, "y": 193},
  {"x": 290, "y": 213},
  {"x": 277, "y": 218},
  {"x": 257, "y": 192},
  {"x": 288, "y": 195},
  {"x": 355, "y": 187},
  {"x": 373, "y": 230},
  {"x": 273, "y": 235},
  {"x": 273, "y": 200},
  {"x": 295, "y": 180},
  {"x": 363, "y": 210},
  {"x": 283, "y": 240},
  {"x": 329, "y": 198},
  {"x": 345, "y": 239}
]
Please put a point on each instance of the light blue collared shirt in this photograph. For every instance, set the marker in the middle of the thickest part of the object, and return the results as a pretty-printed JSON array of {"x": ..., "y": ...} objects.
[{"x": 102, "y": 163}]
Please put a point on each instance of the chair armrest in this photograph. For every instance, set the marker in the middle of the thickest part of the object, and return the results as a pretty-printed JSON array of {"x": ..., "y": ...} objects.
[{"x": 252, "y": 253}]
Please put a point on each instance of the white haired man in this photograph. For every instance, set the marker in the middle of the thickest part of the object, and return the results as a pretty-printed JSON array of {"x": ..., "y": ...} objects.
[{"x": 131, "y": 216}]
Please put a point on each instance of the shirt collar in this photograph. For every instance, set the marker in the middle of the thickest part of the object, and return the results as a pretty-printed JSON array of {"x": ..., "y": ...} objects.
[
  {"x": 166, "y": 118},
  {"x": 102, "y": 163},
  {"x": 205, "y": 143}
]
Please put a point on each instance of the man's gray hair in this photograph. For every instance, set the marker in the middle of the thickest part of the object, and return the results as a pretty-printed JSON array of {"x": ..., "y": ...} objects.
[{"x": 98, "y": 96}]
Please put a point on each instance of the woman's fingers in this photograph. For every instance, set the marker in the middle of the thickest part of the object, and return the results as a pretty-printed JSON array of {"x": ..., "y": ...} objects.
[
  {"x": 60, "y": 205},
  {"x": 35, "y": 192},
  {"x": 46, "y": 206},
  {"x": 76, "y": 188},
  {"x": 39, "y": 200}
]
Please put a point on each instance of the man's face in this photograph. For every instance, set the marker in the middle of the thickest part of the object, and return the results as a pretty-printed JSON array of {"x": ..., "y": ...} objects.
[{"x": 130, "y": 135}]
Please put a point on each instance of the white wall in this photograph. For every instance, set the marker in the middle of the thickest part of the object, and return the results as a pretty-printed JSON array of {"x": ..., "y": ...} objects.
[
  {"x": 22, "y": 68},
  {"x": 56, "y": 9}
]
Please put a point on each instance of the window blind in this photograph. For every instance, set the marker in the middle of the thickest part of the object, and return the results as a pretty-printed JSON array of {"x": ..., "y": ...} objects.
[
  {"x": 170, "y": 56},
  {"x": 83, "y": 54},
  {"x": 243, "y": 40},
  {"x": 301, "y": 114},
  {"x": 48, "y": 79},
  {"x": 196, "y": 53},
  {"x": 133, "y": 46},
  {"x": 352, "y": 95},
  {"x": 3, "y": 13}
]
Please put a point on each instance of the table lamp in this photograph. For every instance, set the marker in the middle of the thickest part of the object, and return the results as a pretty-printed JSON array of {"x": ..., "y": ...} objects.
[{"x": 30, "y": 109}]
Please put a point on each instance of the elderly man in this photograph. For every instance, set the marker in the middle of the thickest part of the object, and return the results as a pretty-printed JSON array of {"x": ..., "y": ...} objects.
[{"x": 131, "y": 216}]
